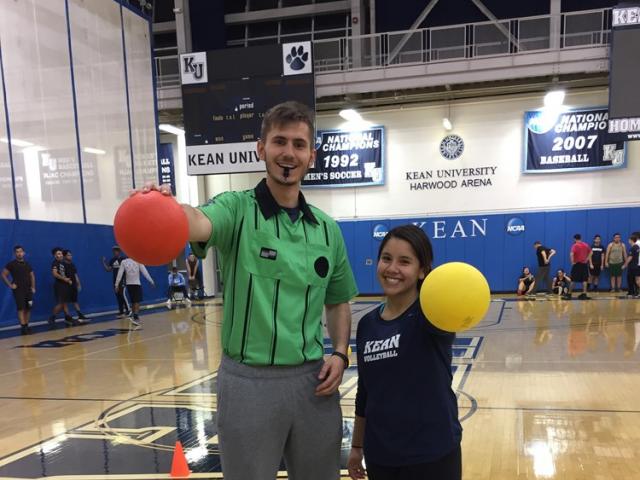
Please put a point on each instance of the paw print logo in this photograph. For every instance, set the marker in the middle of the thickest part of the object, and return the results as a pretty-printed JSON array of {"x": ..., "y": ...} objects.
[{"x": 297, "y": 58}]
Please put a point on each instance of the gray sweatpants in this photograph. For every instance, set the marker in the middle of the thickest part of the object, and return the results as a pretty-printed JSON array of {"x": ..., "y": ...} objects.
[
  {"x": 542, "y": 275},
  {"x": 267, "y": 413}
]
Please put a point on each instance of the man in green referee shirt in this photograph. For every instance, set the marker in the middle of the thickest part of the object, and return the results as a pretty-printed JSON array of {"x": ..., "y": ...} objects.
[{"x": 283, "y": 261}]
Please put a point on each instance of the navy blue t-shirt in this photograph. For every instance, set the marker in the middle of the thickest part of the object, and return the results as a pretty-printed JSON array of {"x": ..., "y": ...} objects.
[{"x": 404, "y": 389}]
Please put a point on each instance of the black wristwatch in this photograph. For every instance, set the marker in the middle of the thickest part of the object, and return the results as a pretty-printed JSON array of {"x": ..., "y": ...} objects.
[{"x": 344, "y": 358}]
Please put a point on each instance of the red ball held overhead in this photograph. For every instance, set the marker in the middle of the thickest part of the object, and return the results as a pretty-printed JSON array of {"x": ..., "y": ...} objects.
[{"x": 151, "y": 228}]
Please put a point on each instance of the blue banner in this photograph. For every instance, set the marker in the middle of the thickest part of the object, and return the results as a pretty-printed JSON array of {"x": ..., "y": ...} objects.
[
  {"x": 573, "y": 140},
  {"x": 348, "y": 159},
  {"x": 166, "y": 171}
]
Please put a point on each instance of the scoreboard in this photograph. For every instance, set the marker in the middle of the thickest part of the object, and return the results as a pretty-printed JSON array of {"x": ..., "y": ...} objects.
[
  {"x": 225, "y": 94},
  {"x": 624, "y": 73}
]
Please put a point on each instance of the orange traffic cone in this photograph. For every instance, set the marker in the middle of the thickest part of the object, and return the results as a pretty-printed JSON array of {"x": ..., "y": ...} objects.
[{"x": 179, "y": 465}]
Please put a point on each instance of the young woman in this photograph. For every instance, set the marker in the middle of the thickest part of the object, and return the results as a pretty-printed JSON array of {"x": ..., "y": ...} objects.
[
  {"x": 406, "y": 422},
  {"x": 526, "y": 282}
]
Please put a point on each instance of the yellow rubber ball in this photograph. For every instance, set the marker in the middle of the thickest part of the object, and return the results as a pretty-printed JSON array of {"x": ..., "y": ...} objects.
[{"x": 455, "y": 297}]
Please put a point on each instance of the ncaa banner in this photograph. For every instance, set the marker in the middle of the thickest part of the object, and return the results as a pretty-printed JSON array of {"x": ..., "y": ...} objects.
[
  {"x": 348, "y": 159},
  {"x": 569, "y": 141}
]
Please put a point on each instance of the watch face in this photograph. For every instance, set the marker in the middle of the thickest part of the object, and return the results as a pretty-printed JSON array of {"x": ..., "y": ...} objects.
[{"x": 451, "y": 147}]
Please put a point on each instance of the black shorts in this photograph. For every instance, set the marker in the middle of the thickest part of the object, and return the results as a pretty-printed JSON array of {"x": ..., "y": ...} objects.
[
  {"x": 596, "y": 270},
  {"x": 135, "y": 293},
  {"x": 62, "y": 292},
  {"x": 580, "y": 272},
  {"x": 23, "y": 298},
  {"x": 73, "y": 293}
]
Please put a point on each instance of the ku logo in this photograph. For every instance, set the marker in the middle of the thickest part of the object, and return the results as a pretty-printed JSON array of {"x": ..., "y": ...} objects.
[{"x": 193, "y": 68}]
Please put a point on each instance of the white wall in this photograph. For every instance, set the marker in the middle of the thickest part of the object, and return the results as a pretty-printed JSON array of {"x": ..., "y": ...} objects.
[{"x": 493, "y": 132}]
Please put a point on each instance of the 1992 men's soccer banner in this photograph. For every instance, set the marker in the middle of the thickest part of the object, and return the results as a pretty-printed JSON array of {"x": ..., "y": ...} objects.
[
  {"x": 348, "y": 159},
  {"x": 570, "y": 141}
]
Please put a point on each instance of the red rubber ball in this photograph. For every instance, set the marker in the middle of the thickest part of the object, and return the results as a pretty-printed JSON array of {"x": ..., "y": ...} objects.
[{"x": 151, "y": 228}]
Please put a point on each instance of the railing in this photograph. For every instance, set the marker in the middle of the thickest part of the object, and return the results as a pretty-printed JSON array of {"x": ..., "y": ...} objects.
[
  {"x": 427, "y": 45},
  {"x": 473, "y": 40}
]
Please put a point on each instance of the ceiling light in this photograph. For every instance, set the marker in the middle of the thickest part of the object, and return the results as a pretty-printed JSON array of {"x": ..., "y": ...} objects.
[
  {"x": 95, "y": 151},
  {"x": 350, "y": 115},
  {"x": 16, "y": 142},
  {"x": 446, "y": 123},
  {"x": 554, "y": 98},
  {"x": 171, "y": 129}
]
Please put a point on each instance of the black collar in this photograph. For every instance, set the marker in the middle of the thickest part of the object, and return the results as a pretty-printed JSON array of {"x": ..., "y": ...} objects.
[{"x": 269, "y": 207}]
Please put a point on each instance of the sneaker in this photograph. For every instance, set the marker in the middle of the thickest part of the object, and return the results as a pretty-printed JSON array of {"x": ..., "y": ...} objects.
[
  {"x": 82, "y": 320},
  {"x": 583, "y": 296},
  {"x": 81, "y": 316},
  {"x": 566, "y": 296},
  {"x": 188, "y": 300},
  {"x": 52, "y": 322},
  {"x": 134, "y": 321},
  {"x": 69, "y": 321},
  {"x": 24, "y": 330},
  {"x": 169, "y": 305}
]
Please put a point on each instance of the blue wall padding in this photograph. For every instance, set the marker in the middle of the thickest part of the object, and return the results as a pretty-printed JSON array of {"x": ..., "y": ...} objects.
[
  {"x": 498, "y": 254},
  {"x": 88, "y": 244}
]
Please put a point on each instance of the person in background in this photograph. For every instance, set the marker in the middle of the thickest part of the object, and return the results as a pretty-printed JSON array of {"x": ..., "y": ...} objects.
[
  {"x": 130, "y": 270},
  {"x": 632, "y": 265},
  {"x": 195, "y": 276},
  {"x": 596, "y": 262},
  {"x": 562, "y": 285},
  {"x": 72, "y": 272},
  {"x": 23, "y": 286},
  {"x": 176, "y": 284},
  {"x": 112, "y": 266},
  {"x": 61, "y": 288},
  {"x": 526, "y": 282},
  {"x": 614, "y": 259},
  {"x": 580, "y": 258},
  {"x": 543, "y": 255}
]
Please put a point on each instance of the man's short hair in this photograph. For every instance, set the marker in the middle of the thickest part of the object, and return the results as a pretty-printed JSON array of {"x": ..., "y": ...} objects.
[
  {"x": 633, "y": 237},
  {"x": 286, "y": 113},
  {"x": 577, "y": 236},
  {"x": 55, "y": 250},
  {"x": 537, "y": 242},
  {"x": 174, "y": 269},
  {"x": 66, "y": 252},
  {"x": 597, "y": 235},
  {"x": 18, "y": 247},
  {"x": 617, "y": 233},
  {"x": 116, "y": 247}
]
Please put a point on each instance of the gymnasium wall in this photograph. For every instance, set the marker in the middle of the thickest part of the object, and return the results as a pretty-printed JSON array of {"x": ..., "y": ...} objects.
[
  {"x": 483, "y": 241},
  {"x": 78, "y": 131},
  {"x": 77, "y": 116},
  {"x": 89, "y": 243},
  {"x": 553, "y": 206}
]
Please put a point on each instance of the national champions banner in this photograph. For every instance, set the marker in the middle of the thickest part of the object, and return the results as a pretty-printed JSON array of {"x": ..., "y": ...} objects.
[
  {"x": 573, "y": 140},
  {"x": 348, "y": 159}
]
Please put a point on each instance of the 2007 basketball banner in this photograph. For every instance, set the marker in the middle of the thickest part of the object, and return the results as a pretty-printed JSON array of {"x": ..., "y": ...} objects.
[{"x": 570, "y": 140}]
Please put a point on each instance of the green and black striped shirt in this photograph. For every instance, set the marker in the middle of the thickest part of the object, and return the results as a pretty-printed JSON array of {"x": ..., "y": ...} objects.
[{"x": 278, "y": 275}]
